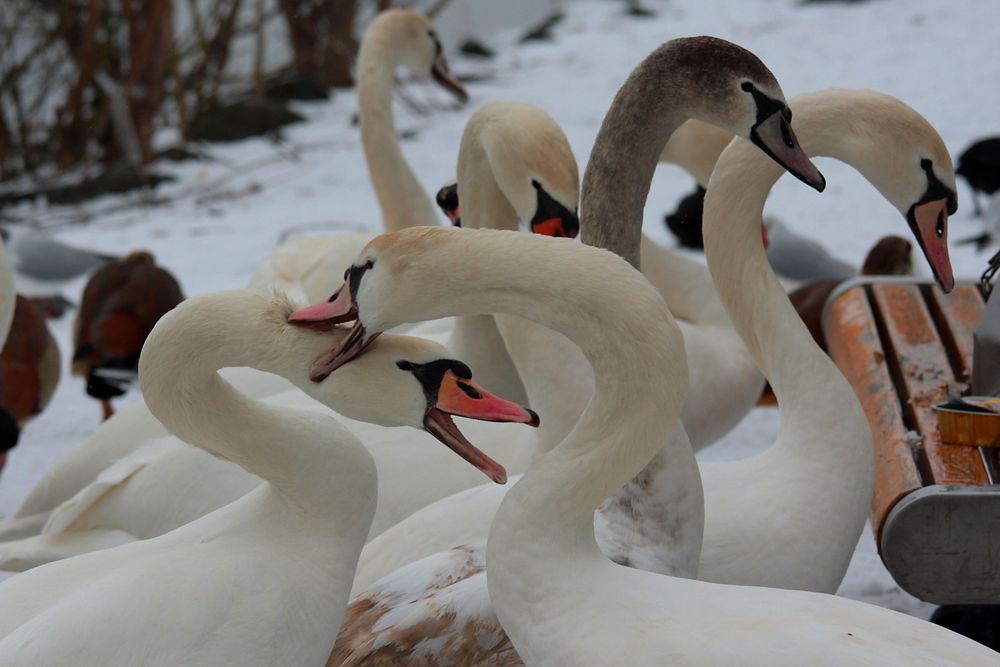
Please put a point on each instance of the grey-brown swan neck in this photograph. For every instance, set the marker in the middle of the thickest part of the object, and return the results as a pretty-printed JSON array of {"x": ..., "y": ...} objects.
[
  {"x": 403, "y": 201},
  {"x": 663, "y": 91}
]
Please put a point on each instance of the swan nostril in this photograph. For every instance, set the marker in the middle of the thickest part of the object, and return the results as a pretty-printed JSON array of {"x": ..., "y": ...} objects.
[{"x": 786, "y": 134}]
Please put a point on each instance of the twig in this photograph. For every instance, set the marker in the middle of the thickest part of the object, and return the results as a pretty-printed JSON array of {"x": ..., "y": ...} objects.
[
  {"x": 121, "y": 120},
  {"x": 206, "y": 191}
]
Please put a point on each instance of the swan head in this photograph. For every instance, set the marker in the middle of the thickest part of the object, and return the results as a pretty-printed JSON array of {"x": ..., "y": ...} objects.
[
  {"x": 401, "y": 381},
  {"x": 735, "y": 91},
  {"x": 900, "y": 153},
  {"x": 371, "y": 296},
  {"x": 550, "y": 217},
  {"x": 409, "y": 381},
  {"x": 414, "y": 40},
  {"x": 530, "y": 161},
  {"x": 447, "y": 201}
]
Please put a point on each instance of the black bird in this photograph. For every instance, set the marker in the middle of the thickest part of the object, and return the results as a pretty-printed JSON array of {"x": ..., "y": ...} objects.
[
  {"x": 685, "y": 222},
  {"x": 980, "y": 166}
]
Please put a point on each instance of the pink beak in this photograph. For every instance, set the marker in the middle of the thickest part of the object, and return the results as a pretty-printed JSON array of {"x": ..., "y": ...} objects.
[{"x": 338, "y": 308}]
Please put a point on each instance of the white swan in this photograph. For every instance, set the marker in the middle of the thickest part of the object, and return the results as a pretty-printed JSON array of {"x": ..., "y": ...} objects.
[
  {"x": 813, "y": 487},
  {"x": 395, "y": 38},
  {"x": 265, "y": 580},
  {"x": 559, "y": 599}
]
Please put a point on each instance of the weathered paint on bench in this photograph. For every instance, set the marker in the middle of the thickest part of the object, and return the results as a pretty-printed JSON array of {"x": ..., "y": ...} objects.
[{"x": 935, "y": 509}]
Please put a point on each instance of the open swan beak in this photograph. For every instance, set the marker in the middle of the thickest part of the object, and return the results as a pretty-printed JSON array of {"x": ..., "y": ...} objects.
[
  {"x": 774, "y": 136},
  {"x": 929, "y": 221},
  {"x": 338, "y": 308},
  {"x": 464, "y": 398}
]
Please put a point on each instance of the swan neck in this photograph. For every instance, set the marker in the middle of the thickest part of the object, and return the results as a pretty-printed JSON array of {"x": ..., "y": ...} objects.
[
  {"x": 308, "y": 457},
  {"x": 403, "y": 201},
  {"x": 484, "y": 204},
  {"x": 625, "y": 154},
  {"x": 636, "y": 352},
  {"x": 802, "y": 376}
]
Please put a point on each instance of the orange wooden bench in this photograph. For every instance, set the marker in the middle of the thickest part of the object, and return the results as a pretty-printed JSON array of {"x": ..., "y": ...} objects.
[{"x": 936, "y": 507}]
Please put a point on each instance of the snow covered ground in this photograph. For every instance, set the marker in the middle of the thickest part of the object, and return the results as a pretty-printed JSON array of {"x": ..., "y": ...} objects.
[{"x": 222, "y": 216}]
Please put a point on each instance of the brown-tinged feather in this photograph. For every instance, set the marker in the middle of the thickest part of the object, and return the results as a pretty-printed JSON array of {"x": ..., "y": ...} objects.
[{"x": 443, "y": 612}]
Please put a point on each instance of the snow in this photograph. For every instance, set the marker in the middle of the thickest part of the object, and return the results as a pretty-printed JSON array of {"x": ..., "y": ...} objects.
[{"x": 220, "y": 218}]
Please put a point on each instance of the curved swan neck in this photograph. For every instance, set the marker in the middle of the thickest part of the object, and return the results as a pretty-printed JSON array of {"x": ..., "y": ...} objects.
[
  {"x": 475, "y": 338},
  {"x": 651, "y": 104},
  {"x": 403, "y": 201},
  {"x": 629, "y": 338},
  {"x": 800, "y": 373},
  {"x": 484, "y": 204},
  {"x": 308, "y": 457}
]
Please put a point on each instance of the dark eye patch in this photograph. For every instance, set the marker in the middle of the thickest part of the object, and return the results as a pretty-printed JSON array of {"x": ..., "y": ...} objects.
[
  {"x": 766, "y": 106},
  {"x": 547, "y": 208},
  {"x": 431, "y": 374},
  {"x": 355, "y": 273},
  {"x": 936, "y": 189}
]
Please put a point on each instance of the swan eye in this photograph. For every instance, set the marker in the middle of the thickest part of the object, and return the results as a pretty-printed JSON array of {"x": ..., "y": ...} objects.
[
  {"x": 404, "y": 365},
  {"x": 746, "y": 86},
  {"x": 926, "y": 164}
]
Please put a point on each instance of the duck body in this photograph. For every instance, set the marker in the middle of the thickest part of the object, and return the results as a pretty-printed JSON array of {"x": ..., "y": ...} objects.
[
  {"x": 29, "y": 371},
  {"x": 121, "y": 304}
]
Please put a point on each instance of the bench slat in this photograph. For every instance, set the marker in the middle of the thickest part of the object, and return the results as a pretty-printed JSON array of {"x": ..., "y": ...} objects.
[
  {"x": 925, "y": 368},
  {"x": 854, "y": 345},
  {"x": 962, "y": 310}
]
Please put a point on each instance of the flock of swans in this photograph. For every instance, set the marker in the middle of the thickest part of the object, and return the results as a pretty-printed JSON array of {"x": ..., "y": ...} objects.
[{"x": 289, "y": 535}]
